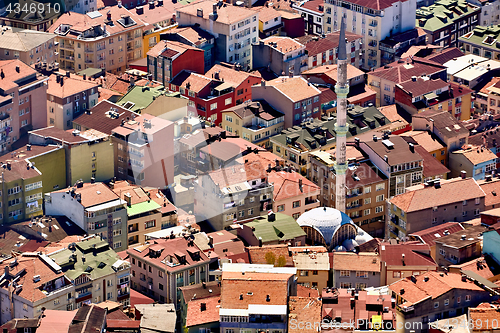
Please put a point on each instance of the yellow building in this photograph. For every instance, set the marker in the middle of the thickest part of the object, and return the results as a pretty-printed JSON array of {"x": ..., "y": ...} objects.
[
  {"x": 255, "y": 122},
  {"x": 313, "y": 266},
  {"x": 89, "y": 154},
  {"x": 27, "y": 173},
  {"x": 431, "y": 144}
]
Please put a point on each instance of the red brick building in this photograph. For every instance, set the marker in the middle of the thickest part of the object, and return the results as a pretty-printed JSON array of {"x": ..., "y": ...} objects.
[{"x": 242, "y": 82}]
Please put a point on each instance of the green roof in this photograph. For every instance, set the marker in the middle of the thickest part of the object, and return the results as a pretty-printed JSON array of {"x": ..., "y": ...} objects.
[
  {"x": 141, "y": 97},
  {"x": 98, "y": 265},
  {"x": 443, "y": 13},
  {"x": 283, "y": 228},
  {"x": 142, "y": 207},
  {"x": 480, "y": 37}
]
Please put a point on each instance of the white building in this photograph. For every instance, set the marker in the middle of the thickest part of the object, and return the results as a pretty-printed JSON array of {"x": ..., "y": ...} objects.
[
  {"x": 235, "y": 28},
  {"x": 371, "y": 19}
]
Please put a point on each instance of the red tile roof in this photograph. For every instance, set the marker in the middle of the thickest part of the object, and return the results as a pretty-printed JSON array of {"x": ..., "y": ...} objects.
[
  {"x": 230, "y": 75},
  {"x": 286, "y": 185},
  {"x": 323, "y": 44},
  {"x": 296, "y": 88},
  {"x": 8, "y": 67},
  {"x": 432, "y": 167},
  {"x": 192, "y": 81},
  {"x": 303, "y": 291},
  {"x": 258, "y": 254},
  {"x": 92, "y": 194},
  {"x": 71, "y": 85},
  {"x": 369, "y": 262},
  {"x": 453, "y": 190},
  {"x": 485, "y": 317},
  {"x": 170, "y": 49},
  {"x": 429, "y": 235},
  {"x": 401, "y": 72},
  {"x": 492, "y": 191},
  {"x": 196, "y": 315},
  {"x": 414, "y": 254},
  {"x": 420, "y": 86},
  {"x": 304, "y": 310},
  {"x": 445, "y": 55}
]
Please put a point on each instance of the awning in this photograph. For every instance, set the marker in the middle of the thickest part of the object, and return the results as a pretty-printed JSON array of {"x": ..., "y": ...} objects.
[
  {"x": 430, "y": 96},
  {"x": 223, "y": 86}
]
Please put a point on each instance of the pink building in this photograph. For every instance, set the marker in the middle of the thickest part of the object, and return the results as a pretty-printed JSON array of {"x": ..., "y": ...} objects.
[{"x": 23, "y": 101}]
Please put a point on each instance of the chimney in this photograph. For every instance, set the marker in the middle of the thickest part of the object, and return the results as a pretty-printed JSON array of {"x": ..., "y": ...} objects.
[
  {"x": 463, "y": 174},
  {"x": 260, "y": 241},
  {"x": 262, "y": 83},
  {"x": 92, "y": 180},
  {"x": 18, "y": 69},
  {"x": 128, "y": 199},
  {"x": 203, "y": 307},
  {"x": 414, "y": 78},
  {"x": 437, "y": 183},
  {"x": 199, "y": 12},
  {"x": 271, "y": 218},
  {"x": 464, "y": 278},
  {"x": 151, "y": 4},
  {"x": 356, "y": 140},
  {"x": 268, "y": 298},
  {"x": 61, "y": 81},
  {"x": 58, "y": 79},
  {"x": 375, "y": 138},
  {"x": 109, "y": 15},
  {"x": 463, "y": 237},
  {"x": 426, "y": 278},
  {"x": 210, "y": 240},
  {"x": 28, "y": 147},
  {"x": 412, "y": 147},
  {"x": 300, "y": 185},
  {"x": 489, "y": 178}
]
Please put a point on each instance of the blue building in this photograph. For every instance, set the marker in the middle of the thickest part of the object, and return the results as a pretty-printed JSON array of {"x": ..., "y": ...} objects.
[{"x": 477, "y": 162}]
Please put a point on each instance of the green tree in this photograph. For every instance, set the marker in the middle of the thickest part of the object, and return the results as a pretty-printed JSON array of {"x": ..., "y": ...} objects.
[
  {"x": 281, "y": 261},
  {"x": 270, "y": 258}
]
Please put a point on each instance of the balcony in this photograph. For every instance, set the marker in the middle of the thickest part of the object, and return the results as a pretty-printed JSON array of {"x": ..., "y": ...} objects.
[
  {"x": 130, "y": 37},
  {"x": 87, "y": 293},
  {"x": 352, "y": 194},
  {"x": 373, "y": 24},
  {"x": 309, "y": 201},
  {"x": 353, "y": 206},
  {"x": 133, "y": 228},
  {"x": 89, "y": 51},
  {"x": 372, "y": 43},
  {"x": 66, "y": 46},
  {"x": 60, "y": 290},
  {"x": 130, "y": 48},
  {"x": 69, "y": 58},
  {"x": 89, "y": 61},
  {"x": 100, "y": 48}
]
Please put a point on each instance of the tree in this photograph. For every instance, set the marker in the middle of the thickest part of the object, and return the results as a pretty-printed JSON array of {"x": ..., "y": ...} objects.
[
  {"x": 281, "y": 261},
  {"x": 270, "y": 258}
]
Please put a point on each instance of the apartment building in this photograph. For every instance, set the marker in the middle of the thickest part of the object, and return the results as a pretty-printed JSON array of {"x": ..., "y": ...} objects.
[
  {"x": 404, "y": 259},
  {"x": 197, "y": 37},
  {"x": 323, "y": 50},
  {"x": 430, "y": 143},
  {"x": 383, "y": 80},
  {"x": 143, "y": 213},
  {"x": 396, "y": 46},
  {"x": 371, "y": 20},
  {"x": 356, "y": 270},
  {"x": 96, "y": 271},
  {"x": 29, "y": 46},
  {"x": 475, "y": 162},
  {"x": 293, "y": 96},
  {"x": 421, "y": 94},
  {"x": 431, "y": 296},
  {"x": 481, "y": 41},
  {"x": 108, "y": 39},
  {"x": 296, "y": 143},
  {"x": 161, "y": 267},
  {"x": 445, "y": 21},
  {"x": 37, "y": 21},
  {"x": 24, "y": 293},
  {"x": 313, "y": 267},
  {"x": 141, "y": 153},
  {"x": 281, "y": 55},
  {"x": 447, "y": 128},
  {"x": 233, "y": 193},
  {"x": 67, "y": 97},
  {"x": 249, "y": 291},
  {"x": 487, "y": 99},
  {"x": 397, "y": 160},
  {"x": 94, "y": 208},
  {"x": 167, "y": 58},
  {"x": 23, "y": 101},
  {"x": 460, "y": 247},
  {"x": 236, "y": 28},
  {"x": 270, "y": 22},
  {"x": 428, "y": 205},
  {"x": 313, "y": 14},
  {"x": 87, "y": 155},
  {"x": 256, "y": 122}
]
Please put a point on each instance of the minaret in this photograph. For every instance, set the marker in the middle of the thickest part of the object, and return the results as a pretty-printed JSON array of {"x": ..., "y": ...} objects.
[{"x": 342, "y": 89}]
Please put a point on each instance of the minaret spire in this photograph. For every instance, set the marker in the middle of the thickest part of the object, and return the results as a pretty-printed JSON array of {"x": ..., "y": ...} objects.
[{"x": 342, "y": 89}]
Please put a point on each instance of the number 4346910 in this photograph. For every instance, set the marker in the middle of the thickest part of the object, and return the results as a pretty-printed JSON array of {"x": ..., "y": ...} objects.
[{"x": 33, "y": 8}]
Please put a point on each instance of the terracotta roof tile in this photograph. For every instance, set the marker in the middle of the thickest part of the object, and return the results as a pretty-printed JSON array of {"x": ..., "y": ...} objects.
[
  {"x": 258, "y": 254},
  {"x": 485, "y": 317},
  {"x": 331, "y": 71},
  {"x": 432, "y": 167},
  {"x": 283, "y": 44},
  {"x": 304, "y": 310},
  {"x": 369, "y": 262},
  {"x": 323, "y": 44},
  {"x": 492, "y": 191},
  {"x": 71, "y": 85},
  {"x": 227, "y": 14},
  {"x": 267, "y": 13},
  {"x": 196, "y": 315},
  {"x": 416, "y": 254},
  {"x": 453, "y": 190},
  {"x": 175, "y": 48},
  {"x": 303, "y": 291},
  {"x": 8, "y": 67},
  {"x": 231, "y": 75},
  {"x": 425, "y": 139},
  {"x": 429, "y": 235},
  {"x": 295, "y": 88},
  {"x": 420, "y": 86},
  {"x": 286, "y": 185},
  {"x": 477, "y": 155},
  {"x": 93, "y": 194},
  {"x": 195, "y": 82},
  {"x": 401, "y": 72}
]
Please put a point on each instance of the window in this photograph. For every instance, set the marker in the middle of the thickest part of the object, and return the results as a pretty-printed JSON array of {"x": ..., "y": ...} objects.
[
  {"x": 149, "y": 224},
  {"x": 459, "y": 299},
  {"x": 467, "y": 298},
  {"x": 362, "y": 275},
  {"x": 368, "y": 189},
  {"x": 366, "y": 212},
  {"x": 368, "y": 201},
  {"x": 380, "y": 198},
  {"x": 281, "y": 208},
  {"x": 213, "y": 106},
  {"x": 160, "y": 286},
  {"x": 478, "y": 201},
  {"x": 380, "y": 187},
  {"x": 296, "y": 204},
  {"x": 446, "y": 302},
  {"x": 250, "y": 211},
  {"x": 396, "y": 274},
  {"x": 379, "y": 209},
  {"x": 345, "y": 273},
  {"x": 436, "y": 305}
]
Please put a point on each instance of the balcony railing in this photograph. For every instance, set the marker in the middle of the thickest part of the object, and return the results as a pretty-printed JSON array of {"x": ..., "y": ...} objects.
[
  {"x": 311, "y": 201},
  {"x": 89, "y": 51},
  {"x": 89, "y": 61},
  {"x": 80, "y": 295},
  {"x": 53, "y": 292},
  {"x": 373, "y": 24}
]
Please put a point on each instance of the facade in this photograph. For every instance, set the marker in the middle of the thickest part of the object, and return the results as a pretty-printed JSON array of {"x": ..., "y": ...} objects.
[
  {"x": 446, "y": 200},
  {"x": 294, "y": 97},
  {"x": 197, "y": 37},
  {"x": 313, "y": 267},
  {"x": 233, "y": 193},
  {"x": 313, "y": 14},
  {"x": 421, "y": 94},
  {"x": 293, "y": 193},
  {"x": 251, "y": 289},
  {"x": 430, "y": 143},
  {"x": 109, "y": 275},
  {"x": 67, "y": 98},
  {"x": 141, "y": 153},
  {"x": 166, "y": 59},
  {"x": 446, "y": 21},
  {"x": 434, "y": 296},
  {"x": 235, "y": 27},
  {"x": 430, "y": 235},
  {"x": 481, "y": 41},
  {"x": 256, "y": 122},
  {"x": 143, "y": 214},
  {"x": 23, "y": 101},
  {"x": 323, "y": 50},
  {"x": 373, "y": 21},
  {"x": 383, "y": 80},
  {"x": 88, "y": 155},
  {"x": 282, "y": 55},
  {"x": 356, "y": 270},
  {"x": 397, "y": 160},
  {"x": 459, "y": 247},
  {"x": 393, "y": 47},
  {"x": 29, "y": 46},
  {"x": 477, "y": 163},
  {"x": 109, "y": 39},
  {"x": 270, "y": 22},
  {"x": 161, "y": 267},
  {"x": 40, "y": 22},
  {"x": 94, "y": 208},
  {"x": 296, "y": 143},
  {"x": 487, "y": 99}
]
